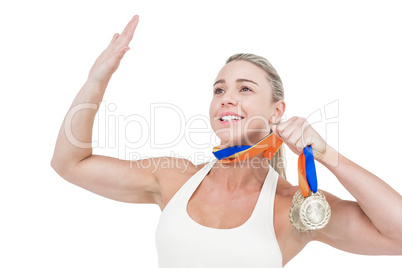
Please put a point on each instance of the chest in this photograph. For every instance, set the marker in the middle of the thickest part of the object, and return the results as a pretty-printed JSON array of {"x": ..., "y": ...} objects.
[
  {"x": 219, "y": 209},
  {"x": 254, "y": 245}
]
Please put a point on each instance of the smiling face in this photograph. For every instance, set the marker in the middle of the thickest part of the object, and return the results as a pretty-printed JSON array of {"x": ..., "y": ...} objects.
[{"x": 242, "y": 107}]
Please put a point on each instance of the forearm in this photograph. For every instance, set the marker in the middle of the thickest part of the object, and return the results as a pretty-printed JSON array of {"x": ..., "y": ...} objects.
[
  {"x": 74, "y": 141},
  {"x": 381, "y": 203}
]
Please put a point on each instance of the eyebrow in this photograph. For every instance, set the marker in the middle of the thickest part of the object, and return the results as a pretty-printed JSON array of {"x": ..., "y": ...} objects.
[{"x": 237, "y": 81}]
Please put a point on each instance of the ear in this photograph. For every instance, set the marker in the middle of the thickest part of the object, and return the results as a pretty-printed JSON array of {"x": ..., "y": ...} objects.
[{"x": 278, "y": 111}]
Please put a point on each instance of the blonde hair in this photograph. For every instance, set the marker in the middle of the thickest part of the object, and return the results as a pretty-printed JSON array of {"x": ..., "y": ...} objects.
[{"x": 278, "y": 162}]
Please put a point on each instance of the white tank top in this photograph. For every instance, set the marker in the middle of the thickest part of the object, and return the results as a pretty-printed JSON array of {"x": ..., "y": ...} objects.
[{"x": 183, "y": 243}]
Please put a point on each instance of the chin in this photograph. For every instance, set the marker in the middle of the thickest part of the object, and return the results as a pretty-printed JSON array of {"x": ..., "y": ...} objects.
[
  {"x": 228, "y": 139},
  {"x": 231, "y": 137}
]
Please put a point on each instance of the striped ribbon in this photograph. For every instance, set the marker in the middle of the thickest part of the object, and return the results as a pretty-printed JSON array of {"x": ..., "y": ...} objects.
[{"x": 270, "y": 144}]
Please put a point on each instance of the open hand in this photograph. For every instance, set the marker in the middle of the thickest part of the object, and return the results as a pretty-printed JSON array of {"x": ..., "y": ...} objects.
[{"x": 108, "y": 62}]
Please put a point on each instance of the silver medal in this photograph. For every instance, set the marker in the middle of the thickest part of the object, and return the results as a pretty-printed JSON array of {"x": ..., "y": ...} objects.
[{"x": 309, "y": 213}]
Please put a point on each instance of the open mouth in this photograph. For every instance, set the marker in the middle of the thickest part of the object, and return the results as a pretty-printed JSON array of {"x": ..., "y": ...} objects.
[{"x": 230, "y": 118}]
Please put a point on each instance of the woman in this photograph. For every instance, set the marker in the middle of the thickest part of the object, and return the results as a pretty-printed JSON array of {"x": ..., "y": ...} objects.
[{"x": 235, "y": 214}]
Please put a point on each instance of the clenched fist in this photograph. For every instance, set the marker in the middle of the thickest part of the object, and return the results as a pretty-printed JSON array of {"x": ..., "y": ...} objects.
[{"x": 297, "y": 133}]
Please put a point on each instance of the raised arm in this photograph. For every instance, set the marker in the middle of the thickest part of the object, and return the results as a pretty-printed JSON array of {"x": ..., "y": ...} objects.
[{"x": 73, "y": 159}]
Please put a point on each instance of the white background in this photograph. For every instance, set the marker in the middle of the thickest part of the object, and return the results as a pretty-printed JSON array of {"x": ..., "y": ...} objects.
[{"x": 346, "y": 53}]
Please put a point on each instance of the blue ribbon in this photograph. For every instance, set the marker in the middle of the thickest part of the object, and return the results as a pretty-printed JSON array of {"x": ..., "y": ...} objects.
[
  {"x": 224, "y": 153},
  {"x": 221, "y": 154},
  {"x": 311, "y": 174}
]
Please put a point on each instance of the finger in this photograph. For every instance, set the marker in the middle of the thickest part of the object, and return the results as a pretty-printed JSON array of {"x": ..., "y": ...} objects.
[
  {"x": 274, "y": 129},
  {"x": 300, "y": 131},
  {"x": 287, "y": 129},
  {"x": 297, "y": 142},
  {"x": 283, "y": 125},
  {"x": 300, "y": 145},
  {"x": 120, "y": 53},
  {"x": 128, "y": 32},
  {"x": 294, "y": 136},
  {"x": 115, "y": 36},
  {"x": 117, "y": 56}
]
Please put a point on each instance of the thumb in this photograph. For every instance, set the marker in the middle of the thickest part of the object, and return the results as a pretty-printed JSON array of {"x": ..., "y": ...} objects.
[
  {"x": 119, "y": 54},
  {"x": 274, "y": 129}
]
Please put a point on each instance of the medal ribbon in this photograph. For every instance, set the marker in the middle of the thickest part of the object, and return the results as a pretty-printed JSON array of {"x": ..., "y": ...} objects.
[
  {"x": 270, "y": 144},
  {"x": 307, "y": 172}
]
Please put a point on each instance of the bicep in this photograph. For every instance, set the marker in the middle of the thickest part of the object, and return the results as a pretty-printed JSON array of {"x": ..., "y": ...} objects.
[
  {"x": 350, "y": 229},
  {"x": 120, "y": 180}
]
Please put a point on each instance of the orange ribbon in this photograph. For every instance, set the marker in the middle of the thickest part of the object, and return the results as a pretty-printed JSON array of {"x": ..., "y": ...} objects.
[{"x": 270, "y": 144}]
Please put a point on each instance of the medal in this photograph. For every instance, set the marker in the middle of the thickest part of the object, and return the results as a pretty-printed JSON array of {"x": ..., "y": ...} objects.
[
  {"x": 309, "y": 213},
  {"x": 294, "y": 212},
  {"x": 310, "y": 210}
]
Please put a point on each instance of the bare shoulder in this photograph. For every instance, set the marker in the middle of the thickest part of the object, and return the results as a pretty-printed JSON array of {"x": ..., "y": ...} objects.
[
  {"x": 285, "y": 189},
  {"x": 283, "y": 202},
  {"x": 172, "y": 173}
]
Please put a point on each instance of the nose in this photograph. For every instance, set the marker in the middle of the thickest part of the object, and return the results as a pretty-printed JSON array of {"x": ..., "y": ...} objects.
[{"x": 229, "y": 99}]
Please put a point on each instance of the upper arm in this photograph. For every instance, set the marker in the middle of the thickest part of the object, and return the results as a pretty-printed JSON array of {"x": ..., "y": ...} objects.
[
  {"x": 121, "y": 180},
  {"x": 351, "y": 230}
]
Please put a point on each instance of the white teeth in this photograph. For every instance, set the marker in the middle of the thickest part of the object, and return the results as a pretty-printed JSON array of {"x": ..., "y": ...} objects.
[{"x": 230, "y": 118}]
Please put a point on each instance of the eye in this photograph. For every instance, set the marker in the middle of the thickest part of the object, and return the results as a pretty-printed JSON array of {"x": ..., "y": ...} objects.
[
  {"x": 246, "y": 89},
  {"x": 218, "y": 91}
]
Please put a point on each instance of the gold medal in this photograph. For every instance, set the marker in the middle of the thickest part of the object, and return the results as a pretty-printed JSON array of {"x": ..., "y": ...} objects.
[
  {"x": 309, "y": 213},
  {"x": 294, "y": 215}
]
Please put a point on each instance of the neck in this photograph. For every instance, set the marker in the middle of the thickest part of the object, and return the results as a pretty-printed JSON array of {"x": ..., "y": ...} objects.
[
  {"x": 251, "y": 141},
  {"x": 249, "y": 173}
]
